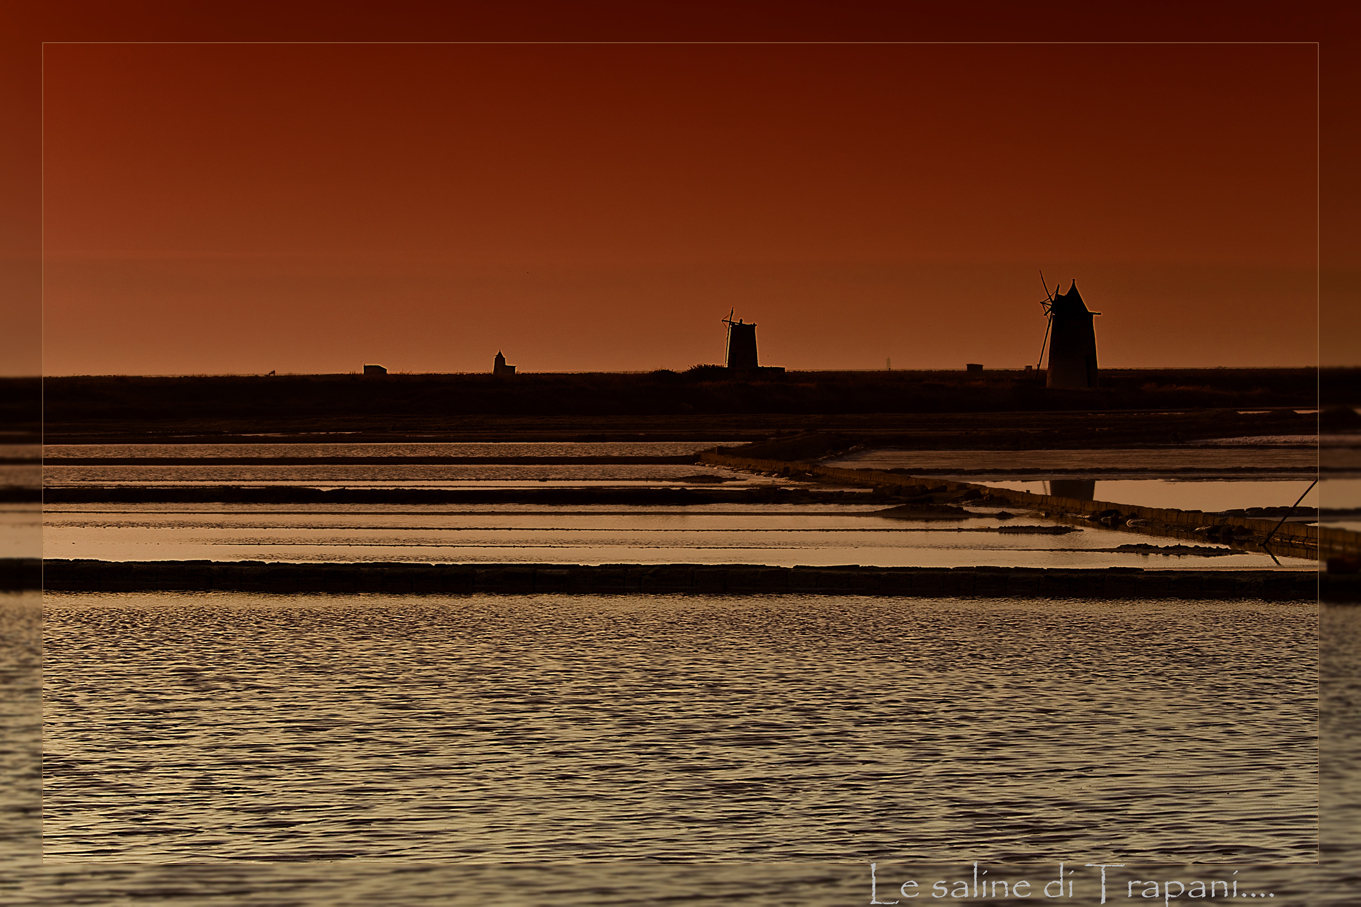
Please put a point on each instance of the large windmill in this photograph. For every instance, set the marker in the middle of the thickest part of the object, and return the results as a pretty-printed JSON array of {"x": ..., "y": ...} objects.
[{"x": 1071, "y": 339}]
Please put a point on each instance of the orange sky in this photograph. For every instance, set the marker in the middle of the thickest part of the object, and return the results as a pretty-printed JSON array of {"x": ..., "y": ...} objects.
[{"x": 213, "y": 208}]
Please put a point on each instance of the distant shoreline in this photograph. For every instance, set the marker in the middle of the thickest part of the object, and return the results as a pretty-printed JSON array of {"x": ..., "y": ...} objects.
[{"x": 939, "y": 409}]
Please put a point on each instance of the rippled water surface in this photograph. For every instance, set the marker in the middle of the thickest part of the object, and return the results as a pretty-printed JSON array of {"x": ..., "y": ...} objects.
[
  {"x": 485, "y": 728},
  {"x": 533, "y": 750},
  {"x": 20, "y": 728}
]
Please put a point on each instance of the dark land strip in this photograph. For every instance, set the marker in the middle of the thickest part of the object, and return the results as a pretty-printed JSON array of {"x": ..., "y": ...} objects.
[
  {"x": 704, "y": 404},
  {"x": 934, "y": 582},
  {"x": 983, "y": 430}
]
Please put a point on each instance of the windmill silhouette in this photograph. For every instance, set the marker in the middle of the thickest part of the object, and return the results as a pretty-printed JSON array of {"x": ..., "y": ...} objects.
[
  {"x": 1071, "y": 338},
  {"x": 741, "y": 343}
]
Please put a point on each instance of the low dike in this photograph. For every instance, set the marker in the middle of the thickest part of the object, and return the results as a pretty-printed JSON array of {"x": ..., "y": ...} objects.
[
  {"x": 1296, "y": 539},
  {"x": 909, "y": 582}
]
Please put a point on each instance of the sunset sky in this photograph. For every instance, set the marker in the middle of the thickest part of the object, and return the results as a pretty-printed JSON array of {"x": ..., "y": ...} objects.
[{"x": 310, "y": 207}]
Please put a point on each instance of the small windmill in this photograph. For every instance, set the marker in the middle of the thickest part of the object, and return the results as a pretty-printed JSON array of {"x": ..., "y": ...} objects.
[{"x": 741, "y": 343}]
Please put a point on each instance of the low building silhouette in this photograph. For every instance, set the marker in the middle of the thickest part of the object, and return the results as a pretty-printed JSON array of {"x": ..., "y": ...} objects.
[
  {"x": 499, "y": 367},
  {"x": 372, "y": 370}
]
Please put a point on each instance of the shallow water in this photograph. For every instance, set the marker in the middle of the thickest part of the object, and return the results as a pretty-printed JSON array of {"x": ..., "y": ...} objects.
[
  {"x": 20, "y": 727},
  {"x": 21, "y": 530},
  {"x": 380, "y": 475},
  {"x": 20, "y": 475},
  {"x": 1208, "y": 495},
  {"x": 756, "y": 535},
  {"x": 772, "y": 535},
  {"x": 1287, "y": 458},
  {"x": 1213, "y": 477},
  {"x": 1148, "y": 704},
  {"x": 1340, "y": 493},
  {"x": 236, "y": 726},
  {"x": 370, "y": 474},
  {"x": 633, "y": 881},
  {"x": 489, "y": 449}
]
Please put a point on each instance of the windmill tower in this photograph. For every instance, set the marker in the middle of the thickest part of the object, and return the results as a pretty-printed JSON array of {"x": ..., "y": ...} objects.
[
  {"x": 1071, "y": 339},
  {"x": 741, "y": 344}
]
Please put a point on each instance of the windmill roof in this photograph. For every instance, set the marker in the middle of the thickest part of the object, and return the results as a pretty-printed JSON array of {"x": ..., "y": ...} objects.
[{"x": 1069, "y": 303}]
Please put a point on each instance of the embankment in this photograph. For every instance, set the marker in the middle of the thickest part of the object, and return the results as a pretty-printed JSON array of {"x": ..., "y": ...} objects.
[
  {"x": 932, "y": 582},
  {"x": 1294, "y": 539}
]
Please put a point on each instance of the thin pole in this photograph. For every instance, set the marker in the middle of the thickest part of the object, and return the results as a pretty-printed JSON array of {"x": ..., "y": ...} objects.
[
  {"x": 1045, "y": 343},
  {"x": 1288, "y": 512},
  {"x": 1050, "y": 311}
]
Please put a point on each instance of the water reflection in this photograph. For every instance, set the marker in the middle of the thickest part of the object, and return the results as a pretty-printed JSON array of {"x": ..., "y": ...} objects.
[{"x": 1078, "y": 489}]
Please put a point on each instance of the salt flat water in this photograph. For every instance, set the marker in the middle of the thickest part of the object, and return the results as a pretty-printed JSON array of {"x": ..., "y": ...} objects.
[
  {"x": 223, "y": 726},
  {"x": 622, "y": 880},
  {"x": 1210, "y": 476},
  {"x": 20, "y": 729},
  {"x": 372, "y": 474},
  {"x": 20, "y": 475},
  {"x": 20, "y": 530},
  {"x": 1113, "y": 460},
  {"x": 487, "y": 449},
  {"x": 1209, "y": 495},
  {"x": 769, "y": 534},
  {"x": 369, "y": 468},
  {"x": 496, "y": 749}
]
